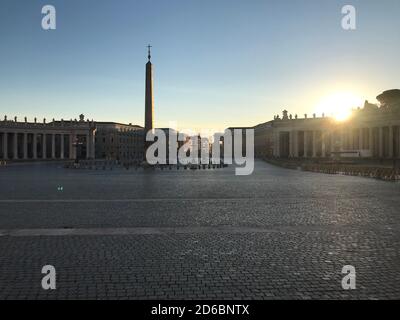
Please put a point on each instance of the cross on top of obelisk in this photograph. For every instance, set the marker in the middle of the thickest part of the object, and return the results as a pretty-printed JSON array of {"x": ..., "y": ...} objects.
[{"x": 149, "y": 52}]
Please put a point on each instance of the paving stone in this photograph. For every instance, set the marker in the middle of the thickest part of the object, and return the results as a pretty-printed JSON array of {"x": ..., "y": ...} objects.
[{"x": 278, "y": 234}]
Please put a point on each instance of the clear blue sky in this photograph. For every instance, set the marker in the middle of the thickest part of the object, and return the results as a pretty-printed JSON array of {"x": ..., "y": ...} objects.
[{"x": 218, "y": 63}]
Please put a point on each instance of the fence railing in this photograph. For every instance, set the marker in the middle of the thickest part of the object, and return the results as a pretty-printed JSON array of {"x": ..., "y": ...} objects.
[
  {"x": 387, "y": 174},
  {"x": 369, "y": 171},
  {"x": 111, "y": 164}
]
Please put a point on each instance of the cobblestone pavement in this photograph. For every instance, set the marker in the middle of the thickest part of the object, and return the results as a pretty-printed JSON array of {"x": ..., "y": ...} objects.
[{"x": 208, "y": 234}]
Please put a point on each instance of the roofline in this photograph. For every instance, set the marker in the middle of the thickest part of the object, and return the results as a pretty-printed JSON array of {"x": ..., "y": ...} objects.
[{"x": 118, "y": 123}]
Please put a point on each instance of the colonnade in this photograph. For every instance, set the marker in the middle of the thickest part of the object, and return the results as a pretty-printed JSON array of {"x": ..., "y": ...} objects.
[
  {"x": 376, "y": 142},
  {"x": 36, "y": 144}
]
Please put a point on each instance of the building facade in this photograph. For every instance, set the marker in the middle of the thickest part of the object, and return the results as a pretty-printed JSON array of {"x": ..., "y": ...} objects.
[
  {"x": 117, "y": 141},
  {"x": 25, "y": 140},
  {"x": 371, "y": 132},
  {"x": 263, "y": 141}
]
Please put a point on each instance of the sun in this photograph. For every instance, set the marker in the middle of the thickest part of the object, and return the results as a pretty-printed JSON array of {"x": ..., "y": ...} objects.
[{"x": 339, "y": 105}]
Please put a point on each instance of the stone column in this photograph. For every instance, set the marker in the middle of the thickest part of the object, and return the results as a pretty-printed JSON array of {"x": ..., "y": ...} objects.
[
  {"x": 371, "y": 140},
  {"x": 296, "y": 144},
  {"x": 75, "y": 146},
  {"x": 290, "y": 144},
  {"x": 276, "y": 144},
  {"x": 398, "y": 142},
  {"x": 380, "y": 142},
  {"x": 44, "y": 146},
  {"x": 93, "y": 143},
  {"x": 351, "y": 139},
  {"x": 15, "y": 146},
  {"x": 314, "y": 143},
  {"x": 87, "y": 146},
  {"x": 390, "y": 142},
  {"x": 343, "y": 140},
  {"x": 34, "y": 146},
  {"x": 62, "y": 146},
  {"x": 361, "y": 139},
  {"x": 5, "y": 146},
  {"x": 305, "y": 144},
  {"x": 332, "y": 142},
  {"x": 53, "y": 146},
  {"x": 25, "y": 146},
  {"x": 358, "y": 134},
  {"x": 71, "y": 146},
  {"x": 324, "y": 135}
]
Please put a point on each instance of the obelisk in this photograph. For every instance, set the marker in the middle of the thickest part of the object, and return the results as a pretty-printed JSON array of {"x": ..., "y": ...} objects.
[{"x": 149, "y": 101}]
